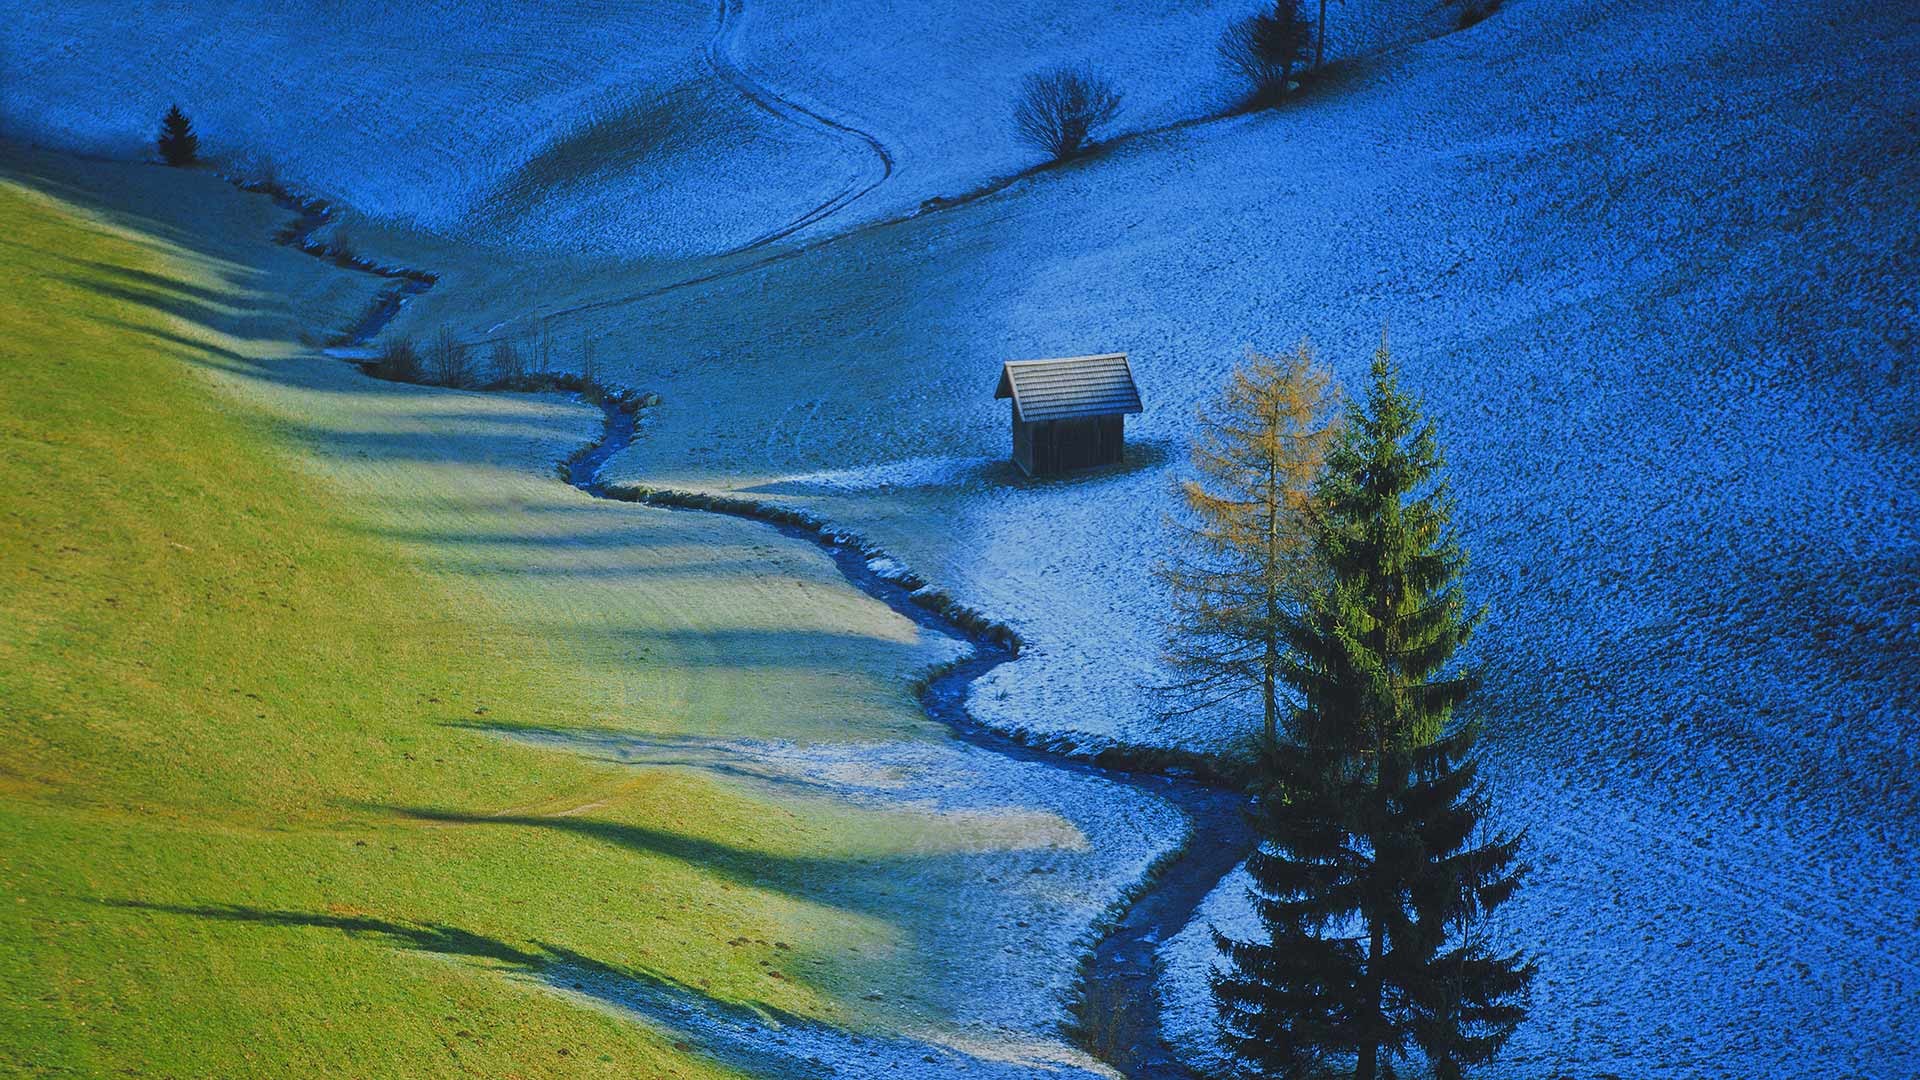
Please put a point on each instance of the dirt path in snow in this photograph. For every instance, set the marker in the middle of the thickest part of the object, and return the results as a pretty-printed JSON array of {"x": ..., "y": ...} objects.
[
  {"x": 1119, "y": 1013},
  {"x": 720, "y": 57}
]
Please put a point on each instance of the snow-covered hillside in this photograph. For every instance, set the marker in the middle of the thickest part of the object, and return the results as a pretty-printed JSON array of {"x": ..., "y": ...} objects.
[
  {"x": 1654, "y": 265},
  {"x": 1654, "y": 268},
  {"x": 664, "y": 130},
  {"x": 583, "y": 127},
  {"x": 936, "y": 82}
]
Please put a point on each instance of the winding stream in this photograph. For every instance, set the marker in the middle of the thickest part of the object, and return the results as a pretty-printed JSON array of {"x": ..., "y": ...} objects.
[{"x": 1119, "y": 1010}]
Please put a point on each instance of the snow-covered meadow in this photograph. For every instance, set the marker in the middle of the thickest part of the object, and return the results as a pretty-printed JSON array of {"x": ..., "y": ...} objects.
[
  {"x": 589, "y": 128},
  {"x": 665, "y": 130},
  {"x": 1655, "y": 267}
]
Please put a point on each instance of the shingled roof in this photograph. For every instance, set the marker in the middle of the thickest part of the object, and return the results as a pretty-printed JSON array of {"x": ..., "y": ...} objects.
[{"x": 1070, "y": 387}]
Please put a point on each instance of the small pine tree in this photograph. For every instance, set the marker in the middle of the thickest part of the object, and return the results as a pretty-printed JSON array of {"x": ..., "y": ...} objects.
[
  {"x": 1246, "y": 561},
  {"x": 1374, "y": 871},
  {"x": 178, "y": 144}
]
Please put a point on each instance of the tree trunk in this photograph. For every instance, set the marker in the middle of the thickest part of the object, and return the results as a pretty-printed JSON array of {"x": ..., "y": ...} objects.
[
  {"x": 1271, "y": 697},
  {"x": 1320, "y": 37},
  {"x": 1276, "y": 500},
  {"x": 1368, "y": 1067}
]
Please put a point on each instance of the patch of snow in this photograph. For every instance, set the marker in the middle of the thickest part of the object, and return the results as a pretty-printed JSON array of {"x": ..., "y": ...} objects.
[
  {"x": 603, "y": 128},
  {"x": 1053, "y": 850},
  {"x": 592, "y": 127},
  {"x": 763, "y": 1042},
  {"x": 1187, "y": 962},
  {"x": 907, "y": 473},
  {"x": 888, "y": 570}
]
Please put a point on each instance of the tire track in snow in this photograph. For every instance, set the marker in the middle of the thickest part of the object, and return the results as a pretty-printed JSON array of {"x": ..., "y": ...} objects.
[{"x": 720, "y": 57}]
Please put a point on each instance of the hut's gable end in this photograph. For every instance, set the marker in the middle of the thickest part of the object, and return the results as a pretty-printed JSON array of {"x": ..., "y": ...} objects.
[
  {"x": 1068, "y": 413},
  {"x": 1070, "y": 387}
]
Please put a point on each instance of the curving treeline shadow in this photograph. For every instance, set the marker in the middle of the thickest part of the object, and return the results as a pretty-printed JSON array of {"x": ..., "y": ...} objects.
[{"x": 430, "y": 937}]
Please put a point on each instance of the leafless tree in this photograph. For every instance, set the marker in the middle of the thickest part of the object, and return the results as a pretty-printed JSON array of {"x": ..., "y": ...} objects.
[
  {"x": 398, "y": 362},
  {"x": 509, "y": 367},
  {"x": 1263, "y": 49},
  {"x": 448, "y": 361},
  {"x": 543, "y": 350},
  {"x": 1060, "y": 110},
  {"x": 589, "y": 361}
]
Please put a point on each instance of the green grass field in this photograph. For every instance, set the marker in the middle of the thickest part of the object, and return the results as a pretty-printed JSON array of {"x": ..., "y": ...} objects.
[{"x": 256, "y": 612}]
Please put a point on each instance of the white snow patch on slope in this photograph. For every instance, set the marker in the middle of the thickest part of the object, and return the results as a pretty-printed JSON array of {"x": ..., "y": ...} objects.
[
  {"x": 602, "y": 128},
  {"x": 1188, "y": 960},
  {"x": 938, "y": 81},
  {"x": 1056, "y": 850},
  {"x": 907, "y": 473}
]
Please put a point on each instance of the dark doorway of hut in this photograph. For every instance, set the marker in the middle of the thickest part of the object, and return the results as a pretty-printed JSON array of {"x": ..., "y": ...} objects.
[{"x": 1069, "y": 413}]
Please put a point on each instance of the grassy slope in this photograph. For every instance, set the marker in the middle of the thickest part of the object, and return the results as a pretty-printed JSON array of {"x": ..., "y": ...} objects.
[{"x": 241, "y": 791}]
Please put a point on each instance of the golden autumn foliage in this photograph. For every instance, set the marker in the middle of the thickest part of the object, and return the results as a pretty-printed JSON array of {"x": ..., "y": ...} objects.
[{"x": 1246, "y": 556}]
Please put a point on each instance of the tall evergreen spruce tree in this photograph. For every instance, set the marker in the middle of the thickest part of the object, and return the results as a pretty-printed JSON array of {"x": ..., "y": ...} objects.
[
  {"x": 177, "y": 143},
  {"x": 1375, "y": 873}
]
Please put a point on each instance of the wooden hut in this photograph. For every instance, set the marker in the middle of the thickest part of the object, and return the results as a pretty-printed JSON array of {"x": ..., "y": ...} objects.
[{"x": 1069, "y": 413}]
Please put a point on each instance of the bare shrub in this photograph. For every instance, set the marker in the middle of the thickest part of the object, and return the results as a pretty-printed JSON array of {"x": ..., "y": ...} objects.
[
  {"x": 449, "y": 363},
  {"x": 1060, "y": 110},
  {"x": 589, "y": 361},
  {"x": 509, "y": 367},
  {"x": 1263, "y": 50},
  {"x": 398, "y": 361}
]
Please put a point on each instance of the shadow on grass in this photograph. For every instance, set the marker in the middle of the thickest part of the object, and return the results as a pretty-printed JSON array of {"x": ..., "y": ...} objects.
[
  {"x": 190, "y": 346},
  {"x": 800, "y": 876},
  {"x": 762, "y": 1040},
  {"x": 145, "y": 286},
  {"x": 424, "y": 937},
  {"x": 759, "y": 1038},
  {"x": 181, "y": 305}
]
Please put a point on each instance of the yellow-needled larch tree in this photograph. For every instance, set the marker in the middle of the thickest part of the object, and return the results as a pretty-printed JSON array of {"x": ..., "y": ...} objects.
[{"x": 1245, "y": 558}]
